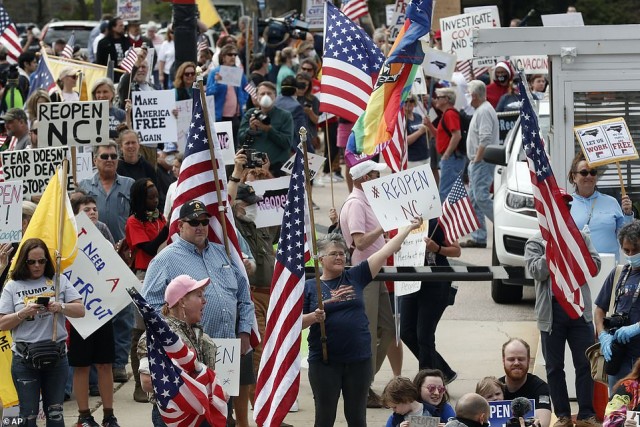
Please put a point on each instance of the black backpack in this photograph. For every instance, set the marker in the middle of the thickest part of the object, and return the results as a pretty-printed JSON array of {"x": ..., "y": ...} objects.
[{"x": 465, "y": 121}]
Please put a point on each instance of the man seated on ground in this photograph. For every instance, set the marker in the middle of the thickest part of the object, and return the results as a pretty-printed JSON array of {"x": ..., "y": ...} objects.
[
  {"x": 516, "y": 355},
  {"x": 472, "y": 410}
]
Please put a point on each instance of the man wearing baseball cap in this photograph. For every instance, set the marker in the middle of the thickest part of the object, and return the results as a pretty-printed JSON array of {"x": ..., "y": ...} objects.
[
  {"x": 17, "y": 125},
  {"x": 364, "y": 235}
]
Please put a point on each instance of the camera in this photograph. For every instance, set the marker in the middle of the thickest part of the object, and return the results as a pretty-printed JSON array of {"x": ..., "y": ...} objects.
[
  {"x": 255, "y": 159},
  {"x": 308, "y": 104},
  {"x": 618, "y": 351},
  {"x": 9, "y": 75},
  {"x": 515, "y": 422},
  {"x": 262, "y": 117},
  {"x": 277, "y": 30},
  {"x": 616, "y": 321}
]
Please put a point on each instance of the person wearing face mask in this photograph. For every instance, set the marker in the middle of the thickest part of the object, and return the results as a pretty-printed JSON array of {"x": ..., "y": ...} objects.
[
  {"x": 624, "y": 342},
  {"x": 471, "y": 411},
  {"x": 502, "y": 78},
  {"x": 288, "y": 61},
  {"x": 267, "y": 129}
]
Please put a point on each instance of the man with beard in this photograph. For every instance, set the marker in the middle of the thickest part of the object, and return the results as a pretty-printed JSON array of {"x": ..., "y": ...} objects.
[
  {"x": 114, "y": 45},
  {"x": 516, "y": 355}
]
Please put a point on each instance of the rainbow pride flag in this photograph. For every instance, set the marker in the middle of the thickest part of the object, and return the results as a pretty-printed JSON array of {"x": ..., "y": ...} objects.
[{"x": 374, "y": 129}]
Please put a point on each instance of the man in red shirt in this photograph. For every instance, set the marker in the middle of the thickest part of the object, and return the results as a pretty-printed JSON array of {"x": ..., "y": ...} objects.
[{"x": 502, "y": 78}]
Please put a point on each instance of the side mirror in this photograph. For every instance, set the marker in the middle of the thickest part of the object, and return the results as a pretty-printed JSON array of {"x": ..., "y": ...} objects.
[{"x": 495, "y": 154}]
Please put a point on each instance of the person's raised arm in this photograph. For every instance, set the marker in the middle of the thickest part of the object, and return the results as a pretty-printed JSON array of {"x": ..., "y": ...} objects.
[{"x": 378, "y": 259}]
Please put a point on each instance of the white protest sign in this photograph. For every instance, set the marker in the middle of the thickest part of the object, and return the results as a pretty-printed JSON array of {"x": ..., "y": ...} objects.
[
  {"x": 129, "y": 10},
  {"x": 10, "y": 211},
  {"x": 495, "y": 14},
  {"x": 185, "y": 109},
  {"x": 34, "y": 168},
  {"x": 228, "y": 364},
  {"x": 604, "y": 142},
  {"x": 635, "y": 416},
  {"x": 274, "y": 196},
  {"x": 84, "y": 165},
  {"x": 563, "y": 20},
  {"x": 315, "y": 164},
  {"x": 100, "y": 276},
  {"x": 397, "y": 21},
  {"x": 152, "y": 116},
  {"x": 457, "y": 32},
  {"x": 437, "y": 63},
  {"x": 388, "y": 11},
  {"x": 419, "y": 86},
  {"x": 224, "y": 131},
  {"x": 314, "y": 15},
  {"x": 411, "y": 254},
  {"x": 231, "y": 76},
  {"x": 532, "y": 64},
  {"x": 397, "y": 198},
  {"x": 79, "y": 124}
]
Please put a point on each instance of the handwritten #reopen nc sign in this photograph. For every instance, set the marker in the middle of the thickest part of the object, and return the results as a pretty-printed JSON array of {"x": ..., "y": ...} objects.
[{"x": 397, "y": 198}]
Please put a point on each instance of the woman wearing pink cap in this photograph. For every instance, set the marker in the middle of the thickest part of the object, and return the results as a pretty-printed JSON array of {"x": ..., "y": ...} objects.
[{"x": 184, "y": 303}]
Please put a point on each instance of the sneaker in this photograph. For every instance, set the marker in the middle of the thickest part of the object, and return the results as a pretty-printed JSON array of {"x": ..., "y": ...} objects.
[
  {"x": 120, "y": 375},
  {"x": 563, "y": 422},
  {"x": 295, "y": 407},
  {"x": 94, "y": 390},
  {"x": 473, "y": 244},
  {"x": 110, "y": 422},
  {"x": 317, "y": 182},
  {"x": 373, "y": 401},
  {"x": 139, "y": 395},
  {"x": 87, "y": 422},
  {"x": 337, "y": 177},
  {"x": 588, "y": 422}
]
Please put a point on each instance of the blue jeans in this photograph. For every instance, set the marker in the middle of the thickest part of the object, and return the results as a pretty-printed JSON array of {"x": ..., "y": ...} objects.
[
  {"x": 122, "y": 328},
  {"x": 328, "y": 380},
  {"x": 30, "y": 382},
  {"x": 579, "y": 335},
  {"x": 450, "y": 170},
  {"x": 480, "y": 179}
]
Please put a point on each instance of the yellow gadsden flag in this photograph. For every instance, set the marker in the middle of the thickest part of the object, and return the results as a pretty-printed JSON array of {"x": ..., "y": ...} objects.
[
  {"x": 208, "y": 13},
  {"x": 45, "y": 223},
  {"x": 8, "y": 395}
]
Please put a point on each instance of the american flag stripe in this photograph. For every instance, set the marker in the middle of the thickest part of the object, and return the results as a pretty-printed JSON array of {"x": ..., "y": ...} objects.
[
  {"x": 395, "y": 153},
  {"x": 458, "y": 217},
  {"x": 9, "y": 36},
  {"x": 345, "y": 89},
  {"x": 67, "y": 52},
  {"x": 355, "y": 9},
  {"x": 129, "y": 60},
  {"x": 251, "y": 90}
]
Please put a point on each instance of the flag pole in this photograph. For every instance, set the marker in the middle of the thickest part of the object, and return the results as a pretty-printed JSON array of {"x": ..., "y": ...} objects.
[
  {"x": 314, "y": 247},
  {"x": 63, "y": 188},
  {"x": 221, "y": 203},
  {"x": 326, "y": 132}
]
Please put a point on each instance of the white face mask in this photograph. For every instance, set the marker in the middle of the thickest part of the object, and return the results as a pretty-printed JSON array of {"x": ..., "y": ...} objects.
[
  {"x": 295, "y": 60},
  {"x": 251, "y": 212},
  {"x": 266, "y": 101}
]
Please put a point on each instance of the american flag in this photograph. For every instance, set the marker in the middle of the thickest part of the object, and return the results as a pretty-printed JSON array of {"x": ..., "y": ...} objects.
[
  {"x": 350, "y": 66},
  {"x": 42, "y": 78},
  {"x": 250, "y": 88},
  {"x": 196, "y": 181},
  {"x": 458, "y": 217},
  {"x": 67, "y": 52},
  {"x": 279, "y": 374},
  {"x": 186, "y": 390},
  {"x": 567, "y": 253},
  {"x": 466, "y": 68},
  {"x": 354, "y": 9},
  {"x": 395, "y": 154},
  {"x": 9, "y": 36},
  {"x": 129, "y": 60}
]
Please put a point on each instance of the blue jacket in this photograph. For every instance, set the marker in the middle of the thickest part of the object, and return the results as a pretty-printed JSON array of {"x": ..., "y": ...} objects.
[{"x": 219, "y": 91}]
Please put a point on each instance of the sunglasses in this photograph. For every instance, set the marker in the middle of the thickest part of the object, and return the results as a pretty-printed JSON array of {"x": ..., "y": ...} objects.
[
  {"x": 74, "y": 77},
  {"x": 189, "y": 74},
  {"x": 411, "y": 101},
  {"x": 232, "y": 54},
  {"x": 41, "y": 261},
  {"x": 592, "y": 172},
  {"x": 432, "y": 387},
  {"x": 307, "y": 69},
  {"x": 108, "y": 156},
  {"x": 197, "y": 222}
]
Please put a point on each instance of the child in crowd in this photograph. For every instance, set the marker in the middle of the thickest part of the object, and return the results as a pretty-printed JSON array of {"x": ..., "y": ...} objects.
[
  {"x": 490, "y": 388},
  {"x": 433, "y": 393},
  {"x": 402, "y": 396}
]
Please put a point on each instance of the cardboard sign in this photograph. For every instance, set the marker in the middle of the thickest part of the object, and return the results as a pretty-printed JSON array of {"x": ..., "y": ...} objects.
[
  {"x": 396, "y": 199},
  {"x": 422, "y": 421},
  {"x": 532, "y": 64},
  {"x": 397, "y": 21},
  {"x": 500, "y": 412},
  {"x": 231, "y": 76},
  {"x": 314, "y": 15},
  {"x": 634, "y": 415},
  {"x": 495, "y": 14},
  {"x": 315, "y": 164},
  {"x": 419, "y": 86},
  {"x": 604, "y": 142},
  {"x": 388, "y": 13},
  {"x": 437, "y": 63},
  {"x": 152, "y": 116},
  {"x": 79, "y": 124},
  {"x": 228, "y": 364},
  {"x": 100, "y": 276},
  {"x": 224, "y": 132},
  {"x": 274, "y": 196},
  {"x": 457, "y": 32},
  {"x": 10, "y": 211},
  {"x": 563, "y": 20},
  {"x": 185, "y": 109},
  {"x": 34, "y": 168},
  {"x": 129, "y": 10},
  {"x": 84, "y": 165},
  {"x": 411, "y": 254}
]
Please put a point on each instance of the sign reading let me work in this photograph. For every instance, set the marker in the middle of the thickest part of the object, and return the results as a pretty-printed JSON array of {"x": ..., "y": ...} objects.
[{"x": 78, "y": 124}]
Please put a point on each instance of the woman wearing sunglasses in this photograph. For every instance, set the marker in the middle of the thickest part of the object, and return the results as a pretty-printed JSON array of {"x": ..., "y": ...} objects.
[
  {"x": 595, "y": 213},
  {"x": 433, "y": 393},
  {"x": 29, "y": 308},
  {"x": 67, "y": 81},
  {"x": 183, "y": 84}
]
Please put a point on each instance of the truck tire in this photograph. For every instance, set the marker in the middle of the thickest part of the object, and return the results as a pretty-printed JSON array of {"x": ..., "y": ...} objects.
[{"x": 502, "y": 293}]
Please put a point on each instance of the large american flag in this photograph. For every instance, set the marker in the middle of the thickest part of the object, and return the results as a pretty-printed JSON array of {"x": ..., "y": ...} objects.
[
  {"x": 67, "y": 52},
  {"x": 42, "y": 78},
  {"x": 458, "y": 217},
  {"x": 350, "y": 66},
  {"x": 395, "y": 154},
  {"x": 186, "y": 390},
  {"x": 354, "y": 9},
  {"x": 196, "y": 181},
  {"x": 279, "y": 374},
  {"x": 9, "y": 36},
  {"x": 567, "y": 253}
]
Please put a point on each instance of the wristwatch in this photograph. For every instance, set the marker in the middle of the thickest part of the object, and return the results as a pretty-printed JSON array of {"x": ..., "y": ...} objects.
[{"x": 62, "y": 307}]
